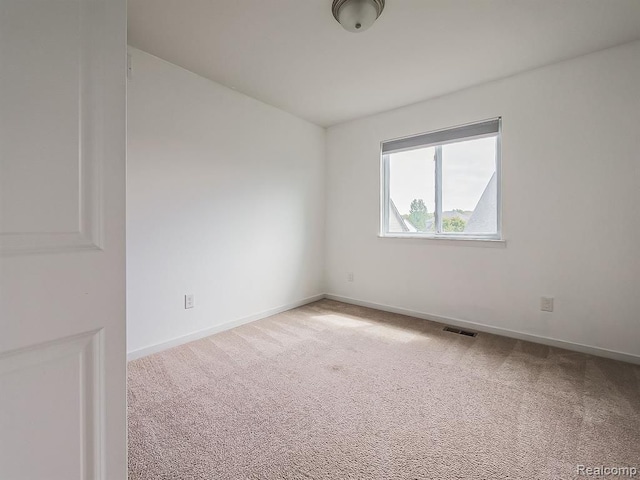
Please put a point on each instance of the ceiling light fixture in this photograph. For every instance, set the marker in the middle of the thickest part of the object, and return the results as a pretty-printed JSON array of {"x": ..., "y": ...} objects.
[{"x": 357, "y": 15}]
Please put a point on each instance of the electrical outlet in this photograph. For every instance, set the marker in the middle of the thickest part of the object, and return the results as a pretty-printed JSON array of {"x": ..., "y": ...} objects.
[
  {"x": 350, "y": 277},
  {"x": 189, "y": 301},
  {"x": 546, "y": 304}
]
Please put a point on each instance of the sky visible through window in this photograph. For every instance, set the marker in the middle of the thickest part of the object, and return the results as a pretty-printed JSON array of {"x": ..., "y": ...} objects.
[{"x": 467, "y": 167}]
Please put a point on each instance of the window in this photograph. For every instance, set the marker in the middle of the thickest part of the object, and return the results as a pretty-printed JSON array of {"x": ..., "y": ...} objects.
[{"x": 443, "y": 184}]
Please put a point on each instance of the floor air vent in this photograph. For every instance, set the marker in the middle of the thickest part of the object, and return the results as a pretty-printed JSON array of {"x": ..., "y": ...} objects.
[{"x": 460, "y": 332}]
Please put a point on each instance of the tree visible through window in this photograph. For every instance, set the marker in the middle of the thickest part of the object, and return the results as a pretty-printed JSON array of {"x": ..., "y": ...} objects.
[
  {"x": 444, "y": 183},
  {"x": 418, "y": 214}
]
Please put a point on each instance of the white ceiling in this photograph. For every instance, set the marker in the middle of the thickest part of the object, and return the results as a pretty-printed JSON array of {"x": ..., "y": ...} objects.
[{"x": 292, "y": 54}]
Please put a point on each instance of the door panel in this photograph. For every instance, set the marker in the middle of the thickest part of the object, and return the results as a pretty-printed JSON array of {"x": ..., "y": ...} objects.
[
  {"x": 62, "y": 258},
  {"x": 52, "y": 399},
  {"x": 51, "y": 92}
]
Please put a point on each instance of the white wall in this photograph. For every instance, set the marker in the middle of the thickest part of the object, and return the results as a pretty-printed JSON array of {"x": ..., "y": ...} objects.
[
  {"x": 225, "y": 201},
  {"x": 571, "y": 208}
]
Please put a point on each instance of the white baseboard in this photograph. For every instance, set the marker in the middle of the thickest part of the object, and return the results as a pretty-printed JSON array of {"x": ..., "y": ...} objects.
[
  {"x": 143, "y": 352},
  {"x": 552, "y": 342}
]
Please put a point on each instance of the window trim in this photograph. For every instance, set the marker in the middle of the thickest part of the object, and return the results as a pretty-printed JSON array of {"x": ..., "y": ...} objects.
[{"x": 421, "y": 140}]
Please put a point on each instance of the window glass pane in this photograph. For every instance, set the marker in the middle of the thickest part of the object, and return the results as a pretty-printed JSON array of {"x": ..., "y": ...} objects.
[
  {"x": 412, "y": 191},
  {"x": 469, "y": 187}
]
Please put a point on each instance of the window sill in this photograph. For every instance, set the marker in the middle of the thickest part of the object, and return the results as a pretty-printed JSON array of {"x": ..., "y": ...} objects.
[{"x": 441, "y": 240}]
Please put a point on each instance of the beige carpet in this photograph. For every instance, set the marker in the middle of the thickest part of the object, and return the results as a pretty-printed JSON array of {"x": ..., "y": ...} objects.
[{"x": 333, "y": 391}]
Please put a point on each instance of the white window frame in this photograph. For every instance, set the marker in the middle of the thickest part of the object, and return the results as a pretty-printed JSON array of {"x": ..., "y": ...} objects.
[{"x": 437, "y": 139}]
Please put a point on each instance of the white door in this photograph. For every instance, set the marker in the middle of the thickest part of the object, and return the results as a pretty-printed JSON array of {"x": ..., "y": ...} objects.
[{"x": 62, "y": 239}]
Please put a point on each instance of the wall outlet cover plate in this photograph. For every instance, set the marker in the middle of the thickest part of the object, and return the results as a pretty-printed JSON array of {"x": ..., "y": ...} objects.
[{"x": 189, "y": 301}]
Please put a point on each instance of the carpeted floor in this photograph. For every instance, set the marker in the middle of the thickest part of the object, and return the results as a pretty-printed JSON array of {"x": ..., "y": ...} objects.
[{"x": 334, "y": 391}]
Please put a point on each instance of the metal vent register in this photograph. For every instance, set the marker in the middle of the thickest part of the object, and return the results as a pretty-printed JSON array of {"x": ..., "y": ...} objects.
[{"x": 460, "y": 332}]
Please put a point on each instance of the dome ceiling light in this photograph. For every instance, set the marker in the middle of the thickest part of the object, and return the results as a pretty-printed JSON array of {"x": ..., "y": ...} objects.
[{"x": 357, "y": 15}]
